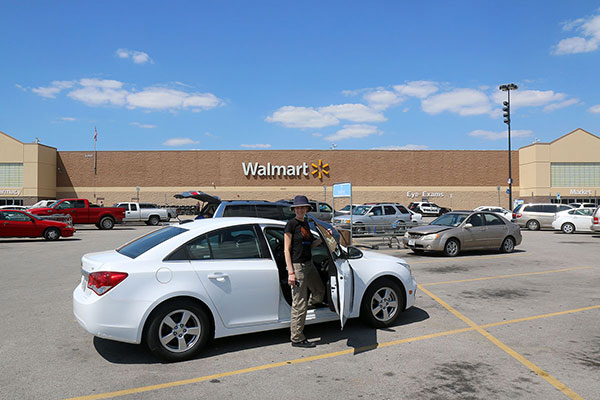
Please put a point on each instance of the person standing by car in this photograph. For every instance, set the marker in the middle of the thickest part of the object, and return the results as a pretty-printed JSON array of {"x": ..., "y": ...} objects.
[{"x": 302, "y": 274}]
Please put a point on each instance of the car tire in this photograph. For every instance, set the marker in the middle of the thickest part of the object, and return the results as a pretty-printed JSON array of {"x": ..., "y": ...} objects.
[
  {"x": 382, "y": 303},
  {"x": 153, "y": 220},
  {"x": 567, "y": 228},
  {"x": 106, "y": 223},
  {"x": 508, "y": 245},
  {"x": 452, "y": 248},
  {"x": 418, "y": 251},
  {"x": 358, "y": 229},
  {"x": 168, "y": 335},
  {"x": 52, "y": 234},
  {"x": 533, "y": 225}
]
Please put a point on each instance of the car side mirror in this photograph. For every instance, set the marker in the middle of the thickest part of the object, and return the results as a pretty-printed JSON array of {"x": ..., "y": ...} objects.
[
  {"x": 354, "y": 253},
  {"x": 467, "y": 226},
  {"x": 371, "y": 214}
]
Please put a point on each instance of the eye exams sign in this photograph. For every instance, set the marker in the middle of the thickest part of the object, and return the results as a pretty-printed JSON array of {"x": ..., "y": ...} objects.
[{"x": 256, "y": 169}]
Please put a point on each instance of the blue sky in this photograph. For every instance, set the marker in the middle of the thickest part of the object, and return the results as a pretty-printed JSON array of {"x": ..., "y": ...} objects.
[{"x": 238, "y": 75}]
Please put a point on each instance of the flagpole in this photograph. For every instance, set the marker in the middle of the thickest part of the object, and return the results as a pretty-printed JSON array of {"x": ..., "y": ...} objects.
[{"x": 95, "y": 152}]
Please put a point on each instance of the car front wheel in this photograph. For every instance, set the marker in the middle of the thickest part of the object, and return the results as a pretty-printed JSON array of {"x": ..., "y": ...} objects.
[
  {"x": 178, "y": 331},
  {"x": 568, "y": 228},
  {"x": 451, "y": 248},
  {"x": 51, "y": 234},
  {"x": 382, "y": 303},
  {"x": 533, "y": 225}
]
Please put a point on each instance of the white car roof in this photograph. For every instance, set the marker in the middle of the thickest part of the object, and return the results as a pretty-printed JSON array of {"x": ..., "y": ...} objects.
[{"x": 208, "y": 224}]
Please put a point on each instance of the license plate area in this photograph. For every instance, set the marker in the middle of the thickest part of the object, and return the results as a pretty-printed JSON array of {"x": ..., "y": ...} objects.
[{"x": 84, "y": 279}]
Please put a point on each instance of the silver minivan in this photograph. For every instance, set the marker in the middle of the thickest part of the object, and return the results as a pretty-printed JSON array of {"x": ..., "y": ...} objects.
[{"x": 534, "y": 216}]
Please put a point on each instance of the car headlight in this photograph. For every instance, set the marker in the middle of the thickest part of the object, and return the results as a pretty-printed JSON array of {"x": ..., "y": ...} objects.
[
  {"x": 406, "y": 266},
  {"x": 406, "y": 235},
  {"x": 432, "y": 236}
]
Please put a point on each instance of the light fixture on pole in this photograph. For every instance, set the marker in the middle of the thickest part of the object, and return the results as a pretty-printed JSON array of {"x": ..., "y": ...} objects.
[{"x": 506, "y": 110}]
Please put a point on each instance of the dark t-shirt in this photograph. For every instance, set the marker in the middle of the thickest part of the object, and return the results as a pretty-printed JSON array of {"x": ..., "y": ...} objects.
[{"x": 301, "y": 240}]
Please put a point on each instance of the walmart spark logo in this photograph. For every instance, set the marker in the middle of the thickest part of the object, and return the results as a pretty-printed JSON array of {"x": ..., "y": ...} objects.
[{"x": 320, "y": 169}]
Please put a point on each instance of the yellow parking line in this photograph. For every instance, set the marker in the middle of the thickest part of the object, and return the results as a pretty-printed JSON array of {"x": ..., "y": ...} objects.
[
  {"x": 317, "y": 357},
  {"x": 505, "y": 276},
  {"x": 543, "y": 374}
]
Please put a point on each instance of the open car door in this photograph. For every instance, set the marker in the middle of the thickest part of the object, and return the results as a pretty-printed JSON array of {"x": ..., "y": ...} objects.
[{"x": 342, "y": 281}]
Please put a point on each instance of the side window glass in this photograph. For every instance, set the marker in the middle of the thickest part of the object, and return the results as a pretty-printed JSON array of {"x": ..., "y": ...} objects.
[
  {"x": 133, "y": 207},
  {"x": 313, "y": 206},
  {"x": 241, "y": 210},
  {"x": 125, "y": 206},
  {"x": 324, "y": 208},
  {"x": 377, "y": 211},
  {"x": 389, "y": 210},
  {"x": 288, "y": 213},
  {"x": 64, "y": 205},
  {"x": 475, "y": 220},
  {"x": 267, "y": 211},
  {"x": 197, "y": 249},
  {"x": 491, "y": 219},
  {"x": 15, "y": 216},
  {"x": 563, "y": 208},
  {"x": 549, "y": 208},
  {"x": 2, "y": 216},
  {"x": 79, "y": 204},
  {"x": 234, "y": 243}
]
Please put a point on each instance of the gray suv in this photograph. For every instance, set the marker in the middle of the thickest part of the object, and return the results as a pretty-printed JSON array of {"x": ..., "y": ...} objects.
[
  {"x": 373, "y": 217},
  {"x": 534, "y": 216}
]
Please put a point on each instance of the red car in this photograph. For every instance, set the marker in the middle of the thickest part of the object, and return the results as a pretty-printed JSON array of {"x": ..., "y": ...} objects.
[{"x": 16, "y": 223}]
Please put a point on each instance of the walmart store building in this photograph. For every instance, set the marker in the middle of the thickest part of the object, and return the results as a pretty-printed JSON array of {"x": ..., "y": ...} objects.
[{"x": 565, "y": 170}]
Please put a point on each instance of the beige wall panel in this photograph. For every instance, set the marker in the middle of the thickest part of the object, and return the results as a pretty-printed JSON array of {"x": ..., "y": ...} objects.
[
  {"x": 11, "y": 150},
  {"x": 578, "y": 146}
]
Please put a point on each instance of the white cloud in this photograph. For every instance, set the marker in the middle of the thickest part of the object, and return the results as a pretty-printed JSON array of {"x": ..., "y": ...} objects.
[
  {"x": 459, "y": 101},
  {"x": 353, "y": 112},
  {"x": 138, "y": 57},
  {"x": 301, "y": 117},
  {"x": 256, "y": 146},
  {"x": 562, "y": 104},
  {"x": 490, "y": 135},
  {"x": 420, "y": 89},
  {"x": 143, "y": 126},
  {"x": 594, "y": 109},
  {"x": 353, "y": 132},
  {"x": 382, "y": 99},
  {"x": 96, "y": 92},
  {"x": 178, "y": 142},
  {"x": 529, "y": 98},
  {"x": 405, "y": 147},
  {"x": 589, "y": 28},
  {"x": 68, "y": 119},
  {"x": 54, "y": 89}
]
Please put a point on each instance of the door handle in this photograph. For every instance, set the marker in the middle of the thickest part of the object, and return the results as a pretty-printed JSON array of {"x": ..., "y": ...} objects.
[{"x": 218, "y": 276}]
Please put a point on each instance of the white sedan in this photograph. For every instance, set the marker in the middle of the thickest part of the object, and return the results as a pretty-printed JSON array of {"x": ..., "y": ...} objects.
[
  {"x": 577, "y": 219},
  {"x": 184, "y": 284},
  {"x": 503, "y": 212}
]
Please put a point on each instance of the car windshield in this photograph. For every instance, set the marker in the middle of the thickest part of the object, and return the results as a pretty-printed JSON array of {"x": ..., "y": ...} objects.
[
  {"x": 144, "y": 243},
  {"x": 450, "y": 219},
  {"x": 361, "y": 210}
]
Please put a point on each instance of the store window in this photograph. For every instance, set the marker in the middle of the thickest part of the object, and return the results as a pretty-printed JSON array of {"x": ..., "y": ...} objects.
[
  {"x": 575, "y": 174},
  {"x": 11, "y": 175}
]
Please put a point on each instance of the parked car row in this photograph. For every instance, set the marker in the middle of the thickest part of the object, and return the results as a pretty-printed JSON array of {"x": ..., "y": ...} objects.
[{"x": 371, "y": 217}]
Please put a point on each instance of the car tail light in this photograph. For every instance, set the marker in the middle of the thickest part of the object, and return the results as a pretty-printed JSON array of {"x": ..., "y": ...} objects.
[
  {"x": 102, "y": 282},
  {"x": 515, "y": 215},
  {"x": 596, "y": 222}
]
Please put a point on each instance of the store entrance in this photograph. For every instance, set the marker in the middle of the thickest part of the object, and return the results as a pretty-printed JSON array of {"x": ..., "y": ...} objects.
[{"x": 11, "y": 202}]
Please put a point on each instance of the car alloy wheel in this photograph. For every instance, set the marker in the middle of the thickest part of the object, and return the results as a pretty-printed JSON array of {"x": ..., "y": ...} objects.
[
  {"x": 382, "y": 303},
  {"x": 107, "y": 223},
  {"x": 568, "y": 228},
  {"x": 533, "y": 225},
  {"x": 154, "y": 220},
  {"x": 451, "y": 248},
  {"x": 508, "y": 245},
  {"x": 178, "y": 330},
  {"x": 51, "y": 234}
]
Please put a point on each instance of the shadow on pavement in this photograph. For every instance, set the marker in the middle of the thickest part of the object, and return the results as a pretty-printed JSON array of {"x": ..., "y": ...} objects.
[
  {"x": 357, "y": 335},
  {"x": 30, "y": 240}
]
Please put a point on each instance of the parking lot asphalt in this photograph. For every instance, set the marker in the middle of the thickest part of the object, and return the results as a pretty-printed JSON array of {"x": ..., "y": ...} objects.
[{"x": 485, "y": 325}]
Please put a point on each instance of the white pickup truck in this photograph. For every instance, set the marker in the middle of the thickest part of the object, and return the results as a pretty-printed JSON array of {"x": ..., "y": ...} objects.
[{"x": 149, "y": 213}]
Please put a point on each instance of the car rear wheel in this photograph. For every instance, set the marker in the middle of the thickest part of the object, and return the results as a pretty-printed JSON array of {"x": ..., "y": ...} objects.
[
  {"x": 153, "y": 220},
  {"x": 452, "y": 248},
  {"x": 508, "y": 245},
  {"x": 533, "y": 225},
  {"x": 178, "y": 331},
  {"x": 382, "y": 303},
  {"x": 51, "y": 234},
  {"x": 568, "y": 227},
  {"x": 107, "y": 223}
]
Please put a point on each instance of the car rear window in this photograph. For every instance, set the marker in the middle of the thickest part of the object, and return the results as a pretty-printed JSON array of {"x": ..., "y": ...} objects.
[{"x": 144, "y": 243}]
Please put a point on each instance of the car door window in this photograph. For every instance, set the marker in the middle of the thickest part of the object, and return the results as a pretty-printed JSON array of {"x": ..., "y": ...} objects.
[
  {"x": 234, "y": 243},
  {"x": 79, "y": 204},
  {"x": 549, "y": 208},
  {"x": 125, "y": 206},
  {"x": 197, "y": 249},
  {"x": 133, "y": 207},
  {"x": 313, "y": 206},
  {"x": 16, "y": 216},
  {"x": 475, "y": 220},
  {"x": 324, "y": 208},
  {"x": 491, "y": 219},
  {"x": 402, "y": 210},
  {"x": 563, "y": 208},
  {"x": 268, "y": 211},
  {"x": 389, "y": 210},
  {"x": 64, "y": 205},
  {"x": 376, "y": 211},
  {"x": 241, "y": 210},
  {"x": 584, "y": 211}
]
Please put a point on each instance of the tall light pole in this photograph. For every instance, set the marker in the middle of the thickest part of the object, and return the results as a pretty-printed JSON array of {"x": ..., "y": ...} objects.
[{"x": 506, "y": 109}]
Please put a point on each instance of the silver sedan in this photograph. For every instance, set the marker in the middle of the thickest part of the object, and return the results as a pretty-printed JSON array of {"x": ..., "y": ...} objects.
[{"x": 456, "y": 231}]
